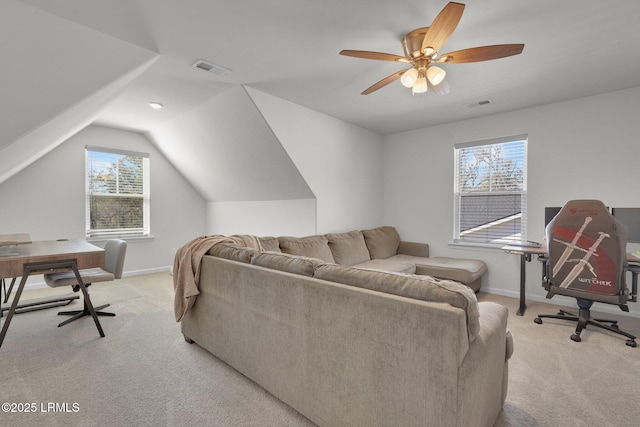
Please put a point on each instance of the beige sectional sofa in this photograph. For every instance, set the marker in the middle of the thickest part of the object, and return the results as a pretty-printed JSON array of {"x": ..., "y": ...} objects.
[
  {"x": 380, "y": 249},
  {"x": 352, "y": 346}
]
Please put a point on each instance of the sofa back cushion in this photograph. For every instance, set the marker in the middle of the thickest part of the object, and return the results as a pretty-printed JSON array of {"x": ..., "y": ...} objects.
[
  {"x": 424, "y": 288},
  {"x": 233, "y": 251},
  {"x": 348, "y": 248},
  {"x": 269, "y": 243},
  {"x": 311, "y": 246},
  {"x": 285, "y": 262},
  {"x": 382, "y": 242}
]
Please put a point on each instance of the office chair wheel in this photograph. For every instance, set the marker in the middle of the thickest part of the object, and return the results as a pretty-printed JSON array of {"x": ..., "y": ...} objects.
[
  {"x": 576, "y": 338},
  {"x": 538, "y": 320},
  {"x": 631, "y": 343}
]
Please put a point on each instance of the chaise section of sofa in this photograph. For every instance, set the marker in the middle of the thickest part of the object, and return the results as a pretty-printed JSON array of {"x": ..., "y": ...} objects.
[{"x": 380, "y": 249}]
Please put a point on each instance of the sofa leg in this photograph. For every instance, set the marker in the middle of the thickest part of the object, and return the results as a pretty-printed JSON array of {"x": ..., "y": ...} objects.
[{"x": 189, "y": 340}]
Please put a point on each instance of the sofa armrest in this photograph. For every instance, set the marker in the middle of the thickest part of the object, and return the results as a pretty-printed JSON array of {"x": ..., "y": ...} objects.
[
  {"x": 509, "y": 350},
  {"x": 414, "y": 249},
  {"x": 484, "y": 370}
]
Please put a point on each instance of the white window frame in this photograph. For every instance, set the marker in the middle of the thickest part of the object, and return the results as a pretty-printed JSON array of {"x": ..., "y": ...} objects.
[
  {"x": 478, "y": 236},
  {"x": 99, "y": 234}
]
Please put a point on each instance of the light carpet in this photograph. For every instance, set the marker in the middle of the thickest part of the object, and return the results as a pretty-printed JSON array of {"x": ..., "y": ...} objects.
[{"x": 143, "y": 373}]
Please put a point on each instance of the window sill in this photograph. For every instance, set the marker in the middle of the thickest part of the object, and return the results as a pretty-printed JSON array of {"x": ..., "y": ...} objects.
[
  {"x": 477, "y": 246},
  {"x": 132, "y": 239}
]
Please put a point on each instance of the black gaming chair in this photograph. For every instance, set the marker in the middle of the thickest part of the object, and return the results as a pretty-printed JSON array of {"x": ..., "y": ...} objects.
[{"x": 586, "y": 249}]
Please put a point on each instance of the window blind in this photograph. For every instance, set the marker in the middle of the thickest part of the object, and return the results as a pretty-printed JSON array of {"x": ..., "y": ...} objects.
[
  {"x": 490, "y": 190},
  {"x": 117, "y": 192}
]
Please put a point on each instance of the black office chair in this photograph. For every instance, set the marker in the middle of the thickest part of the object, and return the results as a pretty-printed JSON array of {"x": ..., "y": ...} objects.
[
  {"x": 115, "y": 250},
  {"x": 586, "y": 249}
]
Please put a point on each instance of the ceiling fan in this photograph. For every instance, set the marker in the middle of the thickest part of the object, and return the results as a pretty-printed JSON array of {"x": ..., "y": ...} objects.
[{"x": 421, "y": 48}]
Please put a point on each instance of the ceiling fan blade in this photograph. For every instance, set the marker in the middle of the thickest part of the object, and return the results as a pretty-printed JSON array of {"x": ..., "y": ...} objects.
[
  {"x": 482, "y": 53},
  {"x": 374, "y": 55},
  {"x": 443, "y": 26},
  {"x": 382, "y": 83}
]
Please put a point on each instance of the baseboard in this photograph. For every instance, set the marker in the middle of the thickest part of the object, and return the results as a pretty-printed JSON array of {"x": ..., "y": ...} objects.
[
  {"x": 41, "y": 284},
  {"x": 146, "y": 271},
  {"x": 566, "y": 302}
]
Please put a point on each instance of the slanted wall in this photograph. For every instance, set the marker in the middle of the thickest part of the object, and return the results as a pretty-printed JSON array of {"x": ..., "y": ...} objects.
[
  {"x": 56, "y": 78},
  {"x": 229, "y": 153}
]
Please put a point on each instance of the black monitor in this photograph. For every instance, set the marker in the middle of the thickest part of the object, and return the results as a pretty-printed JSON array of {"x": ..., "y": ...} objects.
[
  {"x": 630, "y": 218},
  {"x": 549, "y": 214}
]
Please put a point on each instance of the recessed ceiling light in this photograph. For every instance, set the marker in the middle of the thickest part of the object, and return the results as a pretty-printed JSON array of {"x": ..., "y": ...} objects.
[{"x": 155, "y": 105}]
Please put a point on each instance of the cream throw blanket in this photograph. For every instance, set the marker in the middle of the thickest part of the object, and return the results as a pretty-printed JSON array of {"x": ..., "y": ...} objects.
[{"x": 186, "y": 267}]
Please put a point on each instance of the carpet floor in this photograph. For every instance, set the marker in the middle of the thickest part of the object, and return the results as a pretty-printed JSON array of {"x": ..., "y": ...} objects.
[{"x": 143, "y": 373}]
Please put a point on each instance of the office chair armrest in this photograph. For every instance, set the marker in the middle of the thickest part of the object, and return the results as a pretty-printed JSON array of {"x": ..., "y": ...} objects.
[{"x": 634, "y": 269}]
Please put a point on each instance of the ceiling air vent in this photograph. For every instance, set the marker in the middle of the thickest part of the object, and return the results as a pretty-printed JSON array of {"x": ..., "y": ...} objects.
[
  {"x": 477, "y": 104},
  {"x": 212, "y": 68}
]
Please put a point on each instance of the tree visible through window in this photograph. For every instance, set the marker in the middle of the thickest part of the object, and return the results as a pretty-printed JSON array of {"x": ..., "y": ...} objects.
[
  {"x": 117, "y": 197},
  {"x": 490, "y": 194}
]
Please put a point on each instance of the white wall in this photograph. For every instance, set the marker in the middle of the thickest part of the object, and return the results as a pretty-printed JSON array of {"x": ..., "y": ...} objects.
[
  {"x": 584, "y": 148},
  {"x": 341, "y": 162},
  {"x": 227, "y": 151},
  {"x": 262, "y": 218},
  {"x": 47, "y": 199}
]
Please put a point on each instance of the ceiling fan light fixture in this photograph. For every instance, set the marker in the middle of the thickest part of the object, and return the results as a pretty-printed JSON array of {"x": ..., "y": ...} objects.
[
  {"x": 420, "y": 86},
  {"x": 421, "y": 49},
  {"x": 436, "y": 75},
  {"x": 409, "y": 78}
]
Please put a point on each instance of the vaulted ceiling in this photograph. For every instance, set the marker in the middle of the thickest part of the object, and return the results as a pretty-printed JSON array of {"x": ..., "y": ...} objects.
[{"x": 68, "y": 63}]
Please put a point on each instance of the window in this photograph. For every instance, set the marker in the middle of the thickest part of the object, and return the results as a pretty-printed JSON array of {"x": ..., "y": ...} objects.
[
  {"x": 490, "y": 191},
  {"x": 117, "y": 199}
]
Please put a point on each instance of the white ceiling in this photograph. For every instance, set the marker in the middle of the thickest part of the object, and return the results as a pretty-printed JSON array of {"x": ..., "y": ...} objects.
[{"x": 289, "y": 49}]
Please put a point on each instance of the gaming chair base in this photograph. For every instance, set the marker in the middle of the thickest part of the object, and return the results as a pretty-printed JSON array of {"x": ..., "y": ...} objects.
[{"x": 583, "y": 319}]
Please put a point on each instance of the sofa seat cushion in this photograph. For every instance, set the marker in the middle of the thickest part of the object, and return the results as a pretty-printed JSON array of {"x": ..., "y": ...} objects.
[
  {"x": 392, "y": 265},
  {"x": 382, "y": 242},
  {"x": 461, "y": 270},
  {"x": 233, "y": 252},
  {"x": 285, "y": 262},
  {"x": 348, "y": 248},
  {"x": 424, "y": 288},
  {"x": 310, "y": 246}
]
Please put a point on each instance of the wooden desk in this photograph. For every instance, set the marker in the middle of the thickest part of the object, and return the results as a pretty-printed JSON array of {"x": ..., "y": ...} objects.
[
  {"x": 49, "y": 257},
  {"x": 14, "y": 239},
  {"x": 526, "y": 252},
  {"x": 6, "y": 242}
]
